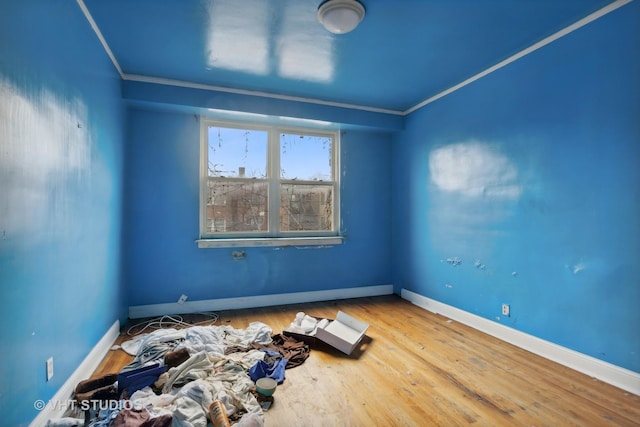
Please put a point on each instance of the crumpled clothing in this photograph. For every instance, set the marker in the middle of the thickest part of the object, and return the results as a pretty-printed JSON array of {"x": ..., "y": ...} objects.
[
  {"x": 228, "y": 383},
  {"x": 212, "y": 339},
  {"x": 130, "y": 418},
  {"x": 256, "y": 332},
  {"x": 296, "y": 352},
  {"x": 159, "y": 421},
  {"x": 153, "y": 346},
  {"x": 156, "y": 405},
  {"x": 105, "y": 417},
  {"x": 246, "y": 359},
  {"x": 65, "y": 422},
  {"x": 176, "y": 357},
  {"x": 195, "y": 367},
  {"x": 185, "y": 412},
  {"x": 250, "y": 420},
  {"x": 231, "y": 386},
  {"x": 204, "y": 338},
  {"x": 133, "y": 345},
  {"x": 189, "y": 413},
  {"x": 189, "y": 388},
  {"x": 271, "y": 367}
]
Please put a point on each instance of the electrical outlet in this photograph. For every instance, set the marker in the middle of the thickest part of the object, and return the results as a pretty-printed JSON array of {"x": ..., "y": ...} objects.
[
  {"x": 182, "y": 299},
  {"x": 506, "y": 310},
  {"x": 49, "y": 368}
]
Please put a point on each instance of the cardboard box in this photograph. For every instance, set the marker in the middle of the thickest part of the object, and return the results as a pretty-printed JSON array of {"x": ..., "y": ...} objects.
[{"x": 344, "y": 333}]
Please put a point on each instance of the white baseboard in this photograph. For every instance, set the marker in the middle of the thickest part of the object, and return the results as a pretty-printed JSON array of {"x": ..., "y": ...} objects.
[
  {"x": 57, "y": 405},
  {"x": 620, "y": 377},
  {"x": 153, "y": 310}
]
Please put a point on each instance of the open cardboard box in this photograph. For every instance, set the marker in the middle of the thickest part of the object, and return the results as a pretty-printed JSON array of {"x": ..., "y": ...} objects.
[{"x": 343, "y": 333}]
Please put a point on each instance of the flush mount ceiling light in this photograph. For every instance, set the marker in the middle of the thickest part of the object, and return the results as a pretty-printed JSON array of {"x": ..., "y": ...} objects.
[{"x": 340, "y": 16}]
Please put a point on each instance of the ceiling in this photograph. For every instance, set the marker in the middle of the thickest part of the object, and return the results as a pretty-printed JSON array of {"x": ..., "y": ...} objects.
[{"x": 403, "y": 53}]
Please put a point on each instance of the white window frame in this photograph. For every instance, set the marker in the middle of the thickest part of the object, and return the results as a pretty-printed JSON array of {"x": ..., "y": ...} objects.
[{"x": 274, "y": 237}]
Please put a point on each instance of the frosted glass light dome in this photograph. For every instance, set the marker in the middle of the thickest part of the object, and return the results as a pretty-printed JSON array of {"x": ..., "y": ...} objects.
[{"x": 340, "y": 16}]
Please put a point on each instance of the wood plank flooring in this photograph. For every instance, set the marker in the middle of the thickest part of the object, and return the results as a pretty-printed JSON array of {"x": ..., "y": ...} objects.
[{"x": 416, "y": 368}]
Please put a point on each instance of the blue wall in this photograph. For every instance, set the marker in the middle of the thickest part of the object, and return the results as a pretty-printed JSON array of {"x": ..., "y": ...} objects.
[
  {"x": 61, "y": 140},
  {"x": 522, "y": 188},
  {"x": 162, "y": 214}
]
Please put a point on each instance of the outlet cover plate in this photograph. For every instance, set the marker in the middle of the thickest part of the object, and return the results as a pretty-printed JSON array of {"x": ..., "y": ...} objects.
[{"x": 506, "y": 310}]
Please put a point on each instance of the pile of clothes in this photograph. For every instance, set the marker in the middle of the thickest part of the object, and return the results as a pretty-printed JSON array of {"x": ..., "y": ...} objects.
[{"x": 177, "y": 374}]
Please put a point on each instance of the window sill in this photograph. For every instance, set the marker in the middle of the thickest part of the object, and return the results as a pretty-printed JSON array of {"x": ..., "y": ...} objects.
[{"x": 270, "y": 241}]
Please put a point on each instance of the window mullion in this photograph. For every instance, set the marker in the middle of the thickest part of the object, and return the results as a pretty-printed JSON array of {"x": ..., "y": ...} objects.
[{"x": 274, "y": 181}]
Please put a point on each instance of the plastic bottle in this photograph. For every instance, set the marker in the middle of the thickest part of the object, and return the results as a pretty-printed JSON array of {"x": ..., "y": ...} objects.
[{"x": 218, "y": 415}]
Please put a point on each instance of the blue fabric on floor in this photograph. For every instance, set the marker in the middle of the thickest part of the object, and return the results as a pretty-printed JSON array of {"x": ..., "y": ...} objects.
[{"x": 263, "y": 369}]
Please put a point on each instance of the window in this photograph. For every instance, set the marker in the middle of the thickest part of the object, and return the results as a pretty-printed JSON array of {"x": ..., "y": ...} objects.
[{"x": 267, "y": 183}]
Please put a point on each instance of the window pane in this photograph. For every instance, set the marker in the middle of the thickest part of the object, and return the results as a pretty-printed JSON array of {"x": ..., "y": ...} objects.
[
  {"x": 306, "y": 207},
  {"x": 244, "y": 208},
  {"x": 237, "y": 153},
  {"x": 305, "y": 157}
]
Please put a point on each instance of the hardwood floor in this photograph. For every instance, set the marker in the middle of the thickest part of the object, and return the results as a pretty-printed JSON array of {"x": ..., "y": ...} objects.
[{"x": 416, "y": 368}]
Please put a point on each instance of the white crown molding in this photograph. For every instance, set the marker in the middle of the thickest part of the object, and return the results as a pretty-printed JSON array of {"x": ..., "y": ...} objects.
[
  {"x": 106, "y": 47},
  {"x": 571, "y": 28},
  {"x": 620, "y": 377},
  {"x": 139, "y": 311},
  {"x": 192, "y": 85},
  {"x": 61, "y": 401}
]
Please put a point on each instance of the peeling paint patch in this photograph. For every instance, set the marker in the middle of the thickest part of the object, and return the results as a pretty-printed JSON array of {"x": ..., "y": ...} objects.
[
  {"x": 454, "y": 261},
  {"x": 479, "y": 265},
  {"x": 576, "y": 268}
]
